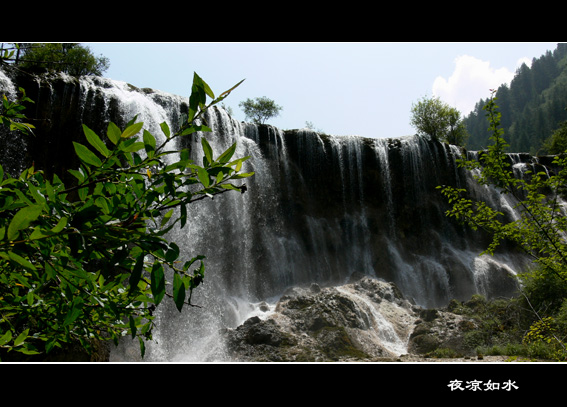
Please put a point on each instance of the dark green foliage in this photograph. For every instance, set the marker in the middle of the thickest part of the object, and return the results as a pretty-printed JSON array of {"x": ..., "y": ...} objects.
[
  {"x": 11, "y": 113},
  {"x": 89, "y": 261},
  {"x": 496, "y": 322},
  {"x": 71, "y": 58},
  {"x": 532, "y": 106}
]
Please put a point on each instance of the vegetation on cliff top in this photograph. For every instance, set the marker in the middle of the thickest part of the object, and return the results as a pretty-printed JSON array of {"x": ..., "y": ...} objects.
[{"x": 71, "y": 58}]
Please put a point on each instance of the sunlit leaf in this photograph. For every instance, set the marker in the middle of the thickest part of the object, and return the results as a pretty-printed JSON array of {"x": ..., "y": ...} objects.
[
  {"x": 7, "y": 337},
  {"x": 149, "y": 143},
  {"x": 132, "y": 130},
  {"x": 21, "y": 338},
  {"x": 21, "y": 261},
  {"x": 95, "y": 141},
  {"x": 166, "y": 217},
  {"x": 113, "y": 133},
  {"x": 60, "y": 225},
  {"x": 227, "y": 155},
  {"x": 86, "y": 155},
  {"x": 165, "y": 130}
]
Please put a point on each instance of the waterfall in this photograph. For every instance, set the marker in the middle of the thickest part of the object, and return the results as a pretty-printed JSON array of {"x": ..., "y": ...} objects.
[{"x": 318, "y": 209}]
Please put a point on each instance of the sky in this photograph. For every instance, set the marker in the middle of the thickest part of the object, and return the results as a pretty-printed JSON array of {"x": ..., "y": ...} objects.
[{"x": 340, "y": 88}]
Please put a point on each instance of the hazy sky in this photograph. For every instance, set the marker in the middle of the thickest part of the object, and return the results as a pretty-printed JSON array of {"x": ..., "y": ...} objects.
[{"x": 343, "y": 88}]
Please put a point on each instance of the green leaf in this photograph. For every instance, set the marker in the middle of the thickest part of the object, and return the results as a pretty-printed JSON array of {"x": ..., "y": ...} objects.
[
  {"x": 21, "y": 261},
  {"x": 132, "y": 130},
  {"x": 178, "y": 291},
  {"x": 185, "y": 155},
  {"x": 60, "y": 225},
  {"x": 172, "y": 253},
  {"x": 157, "y": 279},
  {"x": 95, "y": 141},
  {"x": 7, "y": 337},
  {"x": 51, "y": 343},
  {"x": 227, "y": 155},
  {"x": 86, "y": 155},
  {"x": 137, "y": 146},
  {"x": 78, "y": 174},
  {"x": 198, "y": 97},
  {"x": 166, "y": 217},
  {"x": 22, "y": 219},
  {"x": 230, "y": 186},
  {"x": 21, "y": 338},
  {"x": 142, "y": 347},
  {"x": 136, "y": 274},
  {"x": 206, "y": 87},
  {"x": 74, "y": 312},
  {"x": 149, "y": 143},
  {"x": 113, "y": 133},
  {"x": 183, "y": 217},
  {"x": 227, "y": 92},
  {"x": 132, "y": 327},
  {"x": 208, "y": 151},
  {"x": 220, "y": 177},
  {"x": 83, "y": 193},
  {"x": 203, "y": 177},
  {"x": 102, "y": 203},
  {"x": 193, "y": 260},
  {"x": 165, "y": 129},
  {"x": 30, "y": 298},
  {"x": 242, "y": 175},
  {"x": 37, "y": 196},
  {"x": 50, "y": 271}
]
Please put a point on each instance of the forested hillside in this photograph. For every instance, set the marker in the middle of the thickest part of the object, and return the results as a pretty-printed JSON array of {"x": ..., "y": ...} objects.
[{"x": 532, "y": 106}]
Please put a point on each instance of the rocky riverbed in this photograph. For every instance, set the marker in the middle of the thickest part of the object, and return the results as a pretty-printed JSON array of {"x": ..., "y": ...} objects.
[{"x": 366, "y": 320}]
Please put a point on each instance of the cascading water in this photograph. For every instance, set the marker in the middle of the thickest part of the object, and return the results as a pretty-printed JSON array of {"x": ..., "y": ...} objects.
[{"x": 318, "y": 209}]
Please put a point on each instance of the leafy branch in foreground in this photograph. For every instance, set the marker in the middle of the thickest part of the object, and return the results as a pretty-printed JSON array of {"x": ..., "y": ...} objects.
[
  {"x": 11, "y": 113},
  {"x": 89, "y": 261}
]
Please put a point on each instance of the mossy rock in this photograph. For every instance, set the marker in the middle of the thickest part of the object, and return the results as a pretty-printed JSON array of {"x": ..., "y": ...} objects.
[{"x": 336, "y": 344}]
